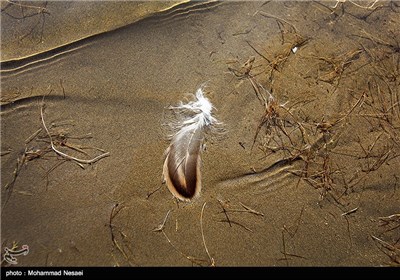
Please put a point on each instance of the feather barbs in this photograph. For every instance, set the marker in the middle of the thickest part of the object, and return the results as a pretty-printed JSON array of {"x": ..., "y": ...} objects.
[{"x": 182, "y": 165}]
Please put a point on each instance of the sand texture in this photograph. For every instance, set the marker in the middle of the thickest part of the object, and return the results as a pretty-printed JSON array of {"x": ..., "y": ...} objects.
[{"x": 305, "y": 174}]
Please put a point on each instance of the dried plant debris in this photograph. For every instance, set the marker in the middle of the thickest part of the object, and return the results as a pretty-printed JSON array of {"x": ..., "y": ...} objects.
[
  {"x": 392, "y": 250},
  {"x": 46, "y": 143},
  {"x": 211, "y": 259},
  {"x": 332, "y": 68},
  {"x": 273, "y": 63},
  {"x": 366, "y": 113},
  {"x": 286, "y": 255},
  {"x": 193, "y": 260},
  {"x": 79, "y": 161},
  {"x": 232, "y": 214},
  {"x": 117, "y": 234},
  {"x": 22, "y": 10}
]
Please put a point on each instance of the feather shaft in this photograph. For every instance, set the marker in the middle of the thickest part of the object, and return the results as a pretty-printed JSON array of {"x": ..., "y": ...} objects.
[{"x": 182, "y": 165}]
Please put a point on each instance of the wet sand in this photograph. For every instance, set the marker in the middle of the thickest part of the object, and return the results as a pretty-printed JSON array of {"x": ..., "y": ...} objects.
[{"x": 316, "y": 186}]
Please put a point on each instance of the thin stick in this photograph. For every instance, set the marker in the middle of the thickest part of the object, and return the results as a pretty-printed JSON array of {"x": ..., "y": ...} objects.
[
  {"x": 115, "y": 260},
  {"x": 364, "y": 7},
  {"x": 390, "y": 217},
  {"x": 30, "y": 138},
  {"x": 51, "y": 170},
  {"x": 41, "y": 9},
  {"x": 384, "y": 243},
  {"x": 212, "y": 262},
  {"x": 152, "y": 192},
  {"x": 3, "y": 153},
  {"x": 297, "y": 224},
  {"x": 235, "y": 223},
  {"x": 25, "y": 193},
  {"x": 161, "y": 226},
  {"x": 348, "y": 229},
  {"x": 83, "y": 161},
  {"x": 284, "y": 249},
  {"x": 393, "y": 254},
  {"x": 190, "y": 258},
  {"x": 62, "y": 87},
  {"x": 114, "y": 212},
  {"x": 226, "y": 214},
  {"x": 259, "y": 53},
  {"x": 264, "y": 14},
  {"x": 251, "y": 210},
  {"x": 350, "y": 211}
]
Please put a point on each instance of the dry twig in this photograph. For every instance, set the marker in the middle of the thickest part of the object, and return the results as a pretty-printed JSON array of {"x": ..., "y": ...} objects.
[
  {"x": 160, "y": 228},
  {"x": 64, "y": 155},
  {"x": 212, "y": 262}
]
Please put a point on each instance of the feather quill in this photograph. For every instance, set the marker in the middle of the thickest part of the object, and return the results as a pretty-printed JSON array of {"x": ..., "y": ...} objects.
[{"x": 182, "y": 165}]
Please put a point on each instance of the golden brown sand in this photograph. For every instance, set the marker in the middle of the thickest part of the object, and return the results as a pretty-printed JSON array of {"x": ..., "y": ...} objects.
[{"x": 308, "y": 177}]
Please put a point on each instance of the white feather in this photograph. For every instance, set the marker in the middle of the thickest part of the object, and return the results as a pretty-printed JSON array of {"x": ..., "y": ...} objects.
[{"x": 182, "y": 165}]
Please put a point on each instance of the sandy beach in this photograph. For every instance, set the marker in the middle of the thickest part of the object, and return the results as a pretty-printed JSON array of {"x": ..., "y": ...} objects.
[{"x": 305, "y": 174}]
